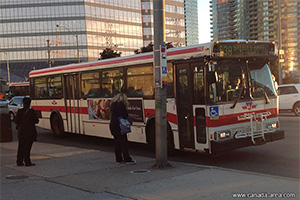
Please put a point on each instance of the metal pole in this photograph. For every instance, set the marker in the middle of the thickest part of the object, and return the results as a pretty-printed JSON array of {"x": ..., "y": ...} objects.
[
  {"x": 160, "y": 93},
  {"x": 49, "y": 59},
  {"x": 77, "y": 48},
  {"x": 7, "y": 67},
  {"x": 76, "y": 36},
  {"x": 279, "y": 43}
]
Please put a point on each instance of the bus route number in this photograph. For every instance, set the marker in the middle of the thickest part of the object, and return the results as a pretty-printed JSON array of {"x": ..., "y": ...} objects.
[{"x": 225, "y": 50}]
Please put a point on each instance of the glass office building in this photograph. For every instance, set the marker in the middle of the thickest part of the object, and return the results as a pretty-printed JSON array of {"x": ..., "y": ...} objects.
[{"x": 30, "y": 38}]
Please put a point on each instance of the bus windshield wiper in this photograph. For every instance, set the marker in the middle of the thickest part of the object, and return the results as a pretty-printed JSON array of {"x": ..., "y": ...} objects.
[
  {"x": 266, "y": 97},
  {"x": 241, "y": 90},
  {"x": 238, "y": 98}
]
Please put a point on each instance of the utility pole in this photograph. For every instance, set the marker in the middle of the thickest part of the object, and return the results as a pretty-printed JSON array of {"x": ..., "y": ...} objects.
[
  {"x": 76, "y": 36},
  {"x": 279, "y": 44},
  {"x": 160, "y": 88},
  {"x": 7, "y": 67},
  {"x": 49, "y": 59}
]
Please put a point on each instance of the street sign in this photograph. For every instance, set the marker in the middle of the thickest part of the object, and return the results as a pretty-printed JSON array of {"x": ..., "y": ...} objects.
[{"x": 163, "y": 63}]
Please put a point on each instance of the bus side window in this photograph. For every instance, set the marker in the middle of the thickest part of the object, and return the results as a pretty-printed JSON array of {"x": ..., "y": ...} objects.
[
  {"x": 90, "y": 84},
  {"x": 140, "y": 81},
  {"x": 40, "y": 88},
  {"x": 198, "y": 83},
  {"x": 170, "y": 80},
  {"x": 112, "y": 82},
  {"x": 55, "y": 87}
]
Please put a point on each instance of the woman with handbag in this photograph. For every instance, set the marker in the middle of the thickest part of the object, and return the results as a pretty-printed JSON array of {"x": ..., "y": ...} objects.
[{"x": 118, "y": 109}]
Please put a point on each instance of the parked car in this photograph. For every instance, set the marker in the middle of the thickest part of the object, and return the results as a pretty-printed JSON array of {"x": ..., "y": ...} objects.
[
  {"x": 3, "y": 106},
  {"x": 14, "y": 105},
  {"x": 289, "y": 98}
]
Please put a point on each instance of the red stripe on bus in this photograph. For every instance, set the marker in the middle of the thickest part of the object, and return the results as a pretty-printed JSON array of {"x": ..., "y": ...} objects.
[
  {"x": 82, "y": 110},
  {"x": 233, "y": 118},
  {"x": 170, "y": 116},
  {"x": 221, "y": 121}
]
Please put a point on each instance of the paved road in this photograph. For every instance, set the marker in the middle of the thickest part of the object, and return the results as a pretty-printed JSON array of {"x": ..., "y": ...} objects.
[{"x": 280, "y": 158}]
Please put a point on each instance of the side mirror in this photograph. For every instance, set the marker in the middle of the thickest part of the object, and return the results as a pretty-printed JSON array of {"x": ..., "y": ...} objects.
[{"x": 211, "y": 77}]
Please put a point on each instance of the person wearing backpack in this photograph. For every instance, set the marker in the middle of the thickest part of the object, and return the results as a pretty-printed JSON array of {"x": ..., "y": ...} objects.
[{"x": 26, "y": 119}]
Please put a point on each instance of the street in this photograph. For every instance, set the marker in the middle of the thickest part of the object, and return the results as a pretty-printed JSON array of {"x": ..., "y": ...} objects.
[{"x": 279, "y": 158}]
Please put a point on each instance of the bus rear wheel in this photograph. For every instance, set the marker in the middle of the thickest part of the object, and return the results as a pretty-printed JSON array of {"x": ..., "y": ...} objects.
[
  {"x": 57, "y": 125},
  {"x": 151, "y": 139}
]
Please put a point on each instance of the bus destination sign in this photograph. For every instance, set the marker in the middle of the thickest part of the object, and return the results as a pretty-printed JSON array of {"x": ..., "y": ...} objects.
[{"x": 243, "y": 49}]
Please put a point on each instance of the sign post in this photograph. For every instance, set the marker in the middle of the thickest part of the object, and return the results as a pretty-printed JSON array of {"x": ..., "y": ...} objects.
[
  {"x": 160, "y": 73},
  {"x": 163, "y": 61}
]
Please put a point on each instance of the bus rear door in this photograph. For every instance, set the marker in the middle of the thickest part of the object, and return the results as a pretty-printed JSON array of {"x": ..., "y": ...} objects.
[
  {"x": 184, "y": 106},
  {"x": 72, "y": 102}
]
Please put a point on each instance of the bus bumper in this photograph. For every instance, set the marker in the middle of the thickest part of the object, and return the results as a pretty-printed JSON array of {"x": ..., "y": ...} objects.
[{"x": 222, "y": 146}]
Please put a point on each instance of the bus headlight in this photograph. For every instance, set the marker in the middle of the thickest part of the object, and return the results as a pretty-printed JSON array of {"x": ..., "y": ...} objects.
[
  {"x": 224, "y": 134},
  {"x": 272, "y": 125}
]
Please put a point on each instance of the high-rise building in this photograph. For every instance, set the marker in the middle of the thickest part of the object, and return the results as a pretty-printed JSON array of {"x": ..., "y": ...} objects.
[
  {"x": 290, "y": 34},
  {"x": 191, "y": 22},
  {"x": 259, "y": 20},
  {"x": 174, "y": 24},
  {"x": 230, "y": 19},
  {"x": 40, "y": 33}
]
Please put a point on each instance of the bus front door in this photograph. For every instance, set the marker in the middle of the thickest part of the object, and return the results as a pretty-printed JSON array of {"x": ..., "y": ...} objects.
[
  {"x": 184, "y": 106},
  {"x": 72, "y": 102}
]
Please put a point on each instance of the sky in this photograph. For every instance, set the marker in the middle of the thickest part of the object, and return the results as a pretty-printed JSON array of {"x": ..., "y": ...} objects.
[{"x": 204, "y": 21}]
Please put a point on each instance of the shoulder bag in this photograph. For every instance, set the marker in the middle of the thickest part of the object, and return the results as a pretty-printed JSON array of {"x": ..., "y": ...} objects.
[{"x": 124, "y": 124}]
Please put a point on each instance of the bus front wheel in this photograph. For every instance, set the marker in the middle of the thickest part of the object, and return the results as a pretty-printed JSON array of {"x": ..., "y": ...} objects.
[{"x": 57, "y": 125}]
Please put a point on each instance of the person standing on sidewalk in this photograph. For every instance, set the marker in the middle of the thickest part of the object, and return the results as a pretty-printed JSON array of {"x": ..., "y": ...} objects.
[
  {"x": 25, "y": 120},
  {"x": 118, "y": 108}
]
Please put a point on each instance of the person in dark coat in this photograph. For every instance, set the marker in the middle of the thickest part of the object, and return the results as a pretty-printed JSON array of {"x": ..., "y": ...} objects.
[
  {"x": 25, "y": 120},
  {"x": 118, "y": 108}
]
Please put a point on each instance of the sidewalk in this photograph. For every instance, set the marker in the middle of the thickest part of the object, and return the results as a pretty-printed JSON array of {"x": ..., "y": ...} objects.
[{"x": 70, "y": 173}]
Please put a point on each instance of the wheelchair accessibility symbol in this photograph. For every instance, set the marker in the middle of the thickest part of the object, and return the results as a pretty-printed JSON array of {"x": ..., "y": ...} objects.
[{"x": 214, "y": 112}]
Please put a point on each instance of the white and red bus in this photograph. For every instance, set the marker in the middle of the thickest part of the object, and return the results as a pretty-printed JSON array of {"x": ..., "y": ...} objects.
[
  {"x": 18, "y": 89},
  {"x": 220, "y": 96}
]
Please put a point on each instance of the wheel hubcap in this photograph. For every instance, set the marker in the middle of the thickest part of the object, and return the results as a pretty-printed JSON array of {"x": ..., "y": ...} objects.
[{"x": 297, "y": 110}]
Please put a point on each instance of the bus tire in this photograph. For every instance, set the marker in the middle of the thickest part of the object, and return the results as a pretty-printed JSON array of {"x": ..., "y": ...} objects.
[
  {"x": 151, "y": 138},
  {"x": 57, "y": 125}
]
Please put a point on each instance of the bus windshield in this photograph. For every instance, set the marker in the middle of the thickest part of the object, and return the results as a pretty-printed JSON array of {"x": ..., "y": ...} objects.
[
  {"x": 235, "y": 84},
  {"x": 261, "y": 80},
  {"x": 231, "y": 81}
]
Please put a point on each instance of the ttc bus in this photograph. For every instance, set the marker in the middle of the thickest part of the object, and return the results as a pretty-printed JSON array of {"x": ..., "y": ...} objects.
[
  {"x": 220, "y": 96},
  {"x": 18, "y": 89}
]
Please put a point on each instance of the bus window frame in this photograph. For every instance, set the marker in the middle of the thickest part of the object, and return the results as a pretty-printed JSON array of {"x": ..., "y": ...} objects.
[
  {"x": 61, "y": 80},
  {"x": 136, "y": 75},
  {"x": 122, "y": 69},
  {"x": 35, "y": 95},
  {"x": 33, "y": 86},
  {"x": 81, "y": 95}
]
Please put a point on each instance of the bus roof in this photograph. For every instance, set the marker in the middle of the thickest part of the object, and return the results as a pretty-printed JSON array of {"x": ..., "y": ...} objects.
[{"x": 194, "y": 51}]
